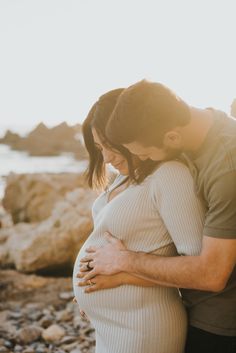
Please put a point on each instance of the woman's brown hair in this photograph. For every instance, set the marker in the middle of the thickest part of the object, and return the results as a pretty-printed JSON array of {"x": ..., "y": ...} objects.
[{"x": 97, "y": 118}]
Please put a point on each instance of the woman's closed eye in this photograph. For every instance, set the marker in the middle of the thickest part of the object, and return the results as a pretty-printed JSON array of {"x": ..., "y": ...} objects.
[{"x": 98, "y": 147}]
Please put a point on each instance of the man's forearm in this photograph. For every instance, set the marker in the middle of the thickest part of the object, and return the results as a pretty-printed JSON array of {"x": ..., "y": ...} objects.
[
  {"x": 180, "y": 271},
  {"x": 209, "y": 271}
]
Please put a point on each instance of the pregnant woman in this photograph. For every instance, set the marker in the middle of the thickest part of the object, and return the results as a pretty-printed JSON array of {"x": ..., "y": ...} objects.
[{"x": 137, "y": 316}]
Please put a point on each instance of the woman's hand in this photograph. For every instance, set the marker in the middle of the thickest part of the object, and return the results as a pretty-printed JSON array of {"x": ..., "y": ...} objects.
[
  {"x": 100, "y": 282},
  {"x": 82, "y": 313}
]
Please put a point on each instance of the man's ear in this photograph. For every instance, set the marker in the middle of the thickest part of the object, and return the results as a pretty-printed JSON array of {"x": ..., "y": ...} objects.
[{"x": 172, "y": 139}]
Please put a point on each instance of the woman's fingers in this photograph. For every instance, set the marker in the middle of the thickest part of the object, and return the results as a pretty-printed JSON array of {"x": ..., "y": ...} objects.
[
  {"x": 80, "y": 275},
  {"x": 90, "y": 282}
]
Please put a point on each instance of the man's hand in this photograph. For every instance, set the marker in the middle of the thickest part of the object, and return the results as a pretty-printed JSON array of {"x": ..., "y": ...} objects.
[{"x": 106, "y": 260}]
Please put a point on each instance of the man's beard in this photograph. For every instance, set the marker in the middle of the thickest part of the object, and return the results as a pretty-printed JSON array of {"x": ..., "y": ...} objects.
[{"x": 172, "y": 153}]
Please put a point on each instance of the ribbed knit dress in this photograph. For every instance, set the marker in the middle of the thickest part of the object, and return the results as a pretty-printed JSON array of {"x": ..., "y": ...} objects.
[{"x": 135, "y": 319}]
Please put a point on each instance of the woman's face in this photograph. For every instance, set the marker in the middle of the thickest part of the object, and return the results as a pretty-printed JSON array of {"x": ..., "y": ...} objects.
[{"x": 115, "y": 158}]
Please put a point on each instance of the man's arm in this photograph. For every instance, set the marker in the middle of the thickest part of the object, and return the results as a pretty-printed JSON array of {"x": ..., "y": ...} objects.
[
  {"x": 208, "y": 271},
  {"x": 181, "y": 212}
]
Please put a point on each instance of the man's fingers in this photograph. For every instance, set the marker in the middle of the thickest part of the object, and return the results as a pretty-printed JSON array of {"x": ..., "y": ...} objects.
[{"x": 112, "y": 240}]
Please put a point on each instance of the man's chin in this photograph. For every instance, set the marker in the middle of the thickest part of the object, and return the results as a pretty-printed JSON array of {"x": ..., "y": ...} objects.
[{"x": 172, "y": 154}]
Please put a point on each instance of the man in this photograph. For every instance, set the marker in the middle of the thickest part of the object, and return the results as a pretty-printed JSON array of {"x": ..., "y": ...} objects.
[{"x": 152, "y": 122}]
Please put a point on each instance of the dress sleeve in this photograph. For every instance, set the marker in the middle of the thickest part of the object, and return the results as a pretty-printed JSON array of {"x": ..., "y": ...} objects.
[{"x": 183, "y": 213}]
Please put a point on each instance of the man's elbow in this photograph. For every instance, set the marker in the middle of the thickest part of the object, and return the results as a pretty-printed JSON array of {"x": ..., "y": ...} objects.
[{"x": 217, "y": 284}]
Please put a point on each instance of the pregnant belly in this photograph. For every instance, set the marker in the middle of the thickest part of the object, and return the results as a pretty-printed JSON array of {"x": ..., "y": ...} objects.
[{"x": 126, "y": 298}]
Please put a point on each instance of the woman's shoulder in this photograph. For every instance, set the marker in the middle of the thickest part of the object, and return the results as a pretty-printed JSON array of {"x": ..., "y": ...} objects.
[
  {"x": 173, "y": 166},
  {"x": 171, "y": 173}
]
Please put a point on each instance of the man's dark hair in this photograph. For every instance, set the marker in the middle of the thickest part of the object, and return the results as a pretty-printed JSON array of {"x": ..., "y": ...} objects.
[{"x": 144, "y": 112}]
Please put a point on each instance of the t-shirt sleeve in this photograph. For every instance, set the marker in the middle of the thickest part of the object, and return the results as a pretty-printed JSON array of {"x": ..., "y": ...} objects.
[
  {"x": 181, "y": 210},
  {"x": 221, "y": 216}
]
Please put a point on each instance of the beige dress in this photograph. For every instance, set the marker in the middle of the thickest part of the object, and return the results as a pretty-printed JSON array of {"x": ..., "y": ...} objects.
[{"x": 133, "y": 319}]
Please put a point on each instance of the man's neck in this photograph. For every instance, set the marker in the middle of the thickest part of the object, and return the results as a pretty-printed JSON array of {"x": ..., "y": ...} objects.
[{"x": 194, "y": 134}]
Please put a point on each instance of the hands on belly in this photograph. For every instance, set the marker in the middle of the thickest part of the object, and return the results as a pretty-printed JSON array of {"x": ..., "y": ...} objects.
[{"x": 99, "y": 282}]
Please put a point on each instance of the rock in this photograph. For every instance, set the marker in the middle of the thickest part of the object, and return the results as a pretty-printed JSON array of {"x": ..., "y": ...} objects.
[
  {"x": 15, "y": 315},
  {"x": 66, "y": 295},
  {"x": 53, "y": 333},
  {"x": 43, "y": 141},
  {"x": 4, "y": 350},
  {"x": 46, "y": 321},
  {"x": 64, "y": 316},
  {"x": 29, "y": 334},
  {"x": 10, "y": 138},
  {"x": 28, "y": 350},
  {"x": 29, "y": 288},
  {"x": 32, "y": 197},
  {"x": 26, "y": 294},
  {"x": 54, "y": 242},
  {"x": 76, "y": 350},
  {"x": 18, "y": 348},
  {"x": 233, "y": 108},
  {"x": 68, "y": 340},
  {"x": 8, "y": 344},
  {"x": 5, "y": 219}
]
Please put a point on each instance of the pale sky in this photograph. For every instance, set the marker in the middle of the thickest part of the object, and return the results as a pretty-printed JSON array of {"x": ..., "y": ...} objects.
[{"x": 58, "y": 56}]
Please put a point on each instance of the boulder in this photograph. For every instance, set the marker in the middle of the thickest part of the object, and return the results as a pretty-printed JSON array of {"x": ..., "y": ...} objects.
[
  {"x": 44, "y": 141},
  {"x": 31, "y": 197},
  {"x": 233, "y": 108},
  {"x": 54, "y": 242},
  {"x": 10, "y": 138}
]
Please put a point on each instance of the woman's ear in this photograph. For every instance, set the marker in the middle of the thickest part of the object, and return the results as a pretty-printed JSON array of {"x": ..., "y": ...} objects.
[{"x": 172, "y": 139}]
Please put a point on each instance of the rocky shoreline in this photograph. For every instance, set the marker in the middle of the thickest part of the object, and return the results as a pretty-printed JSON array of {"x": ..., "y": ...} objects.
[
  {"x": 37, "y": 315},
  {"x": 44, "y": 141},
  {"x": 44, "y": 220}
]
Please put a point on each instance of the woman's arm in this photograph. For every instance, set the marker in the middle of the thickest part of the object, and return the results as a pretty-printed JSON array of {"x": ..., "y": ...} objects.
[{"x": 105, "y": 282}]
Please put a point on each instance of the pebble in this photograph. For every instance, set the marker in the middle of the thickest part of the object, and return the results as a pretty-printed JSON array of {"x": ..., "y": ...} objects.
[
  {"x": 66, "y": 295},
  {"x": 29, "y": 334},
  {"x": 15, "y": 315},
  {"x": 46, "y": 321},
  {"x": 76, "y": 350},
  {"x": 53, "y": 333},
  {"x": 26, "y": 326},
  {"x": 18, "y": 348},
  {"x": 4, "y": 350},
  {"x": 29, "y": 350},
  {"x": 8, "y": 344},
  {"x": 64, "y": 315}
]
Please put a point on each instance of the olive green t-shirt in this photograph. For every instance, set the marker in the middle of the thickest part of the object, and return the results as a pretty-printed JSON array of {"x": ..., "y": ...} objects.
[{"x": 213, "y": 167}]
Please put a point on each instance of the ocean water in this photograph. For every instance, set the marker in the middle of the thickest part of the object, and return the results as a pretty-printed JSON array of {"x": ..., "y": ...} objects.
[{"x": 21, "y": 162}]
